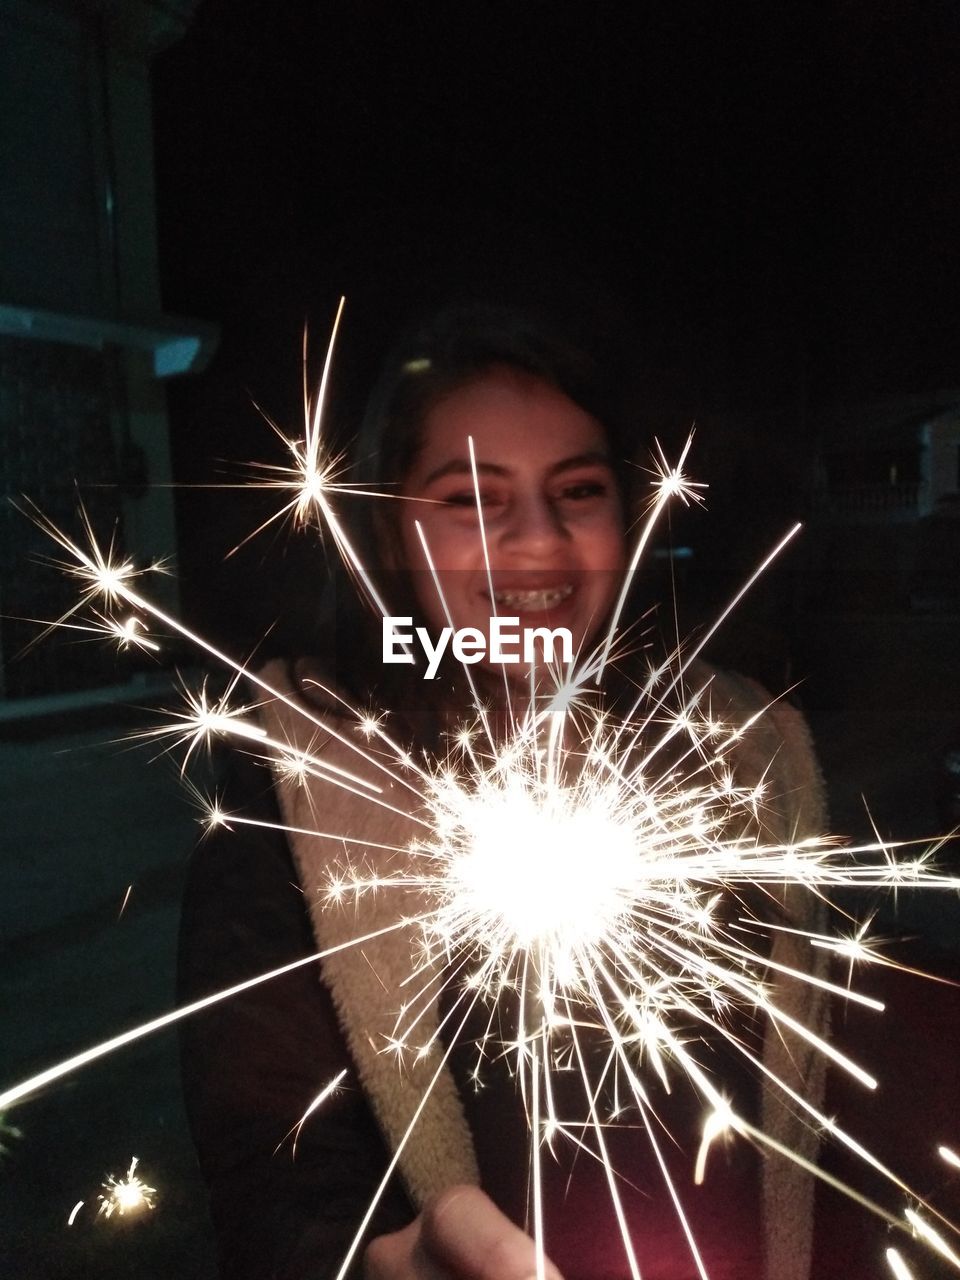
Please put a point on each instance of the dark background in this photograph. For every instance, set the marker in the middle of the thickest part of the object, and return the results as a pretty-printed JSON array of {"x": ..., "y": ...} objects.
[
  {"x": 770, "y": 189},
  {"x": 758, "y": 200}
]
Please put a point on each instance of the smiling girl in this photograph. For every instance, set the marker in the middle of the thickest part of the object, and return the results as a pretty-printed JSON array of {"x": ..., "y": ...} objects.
[
  {"x": 552, "y": 554},
  {"x": 547, "y": 547}
]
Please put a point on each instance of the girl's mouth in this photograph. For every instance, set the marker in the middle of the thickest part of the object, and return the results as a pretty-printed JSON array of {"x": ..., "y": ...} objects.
[{"x": 533, "y": 599}]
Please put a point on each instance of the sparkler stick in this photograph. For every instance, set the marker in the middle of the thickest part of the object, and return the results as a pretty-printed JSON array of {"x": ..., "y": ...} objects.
[
  {"x": 535, "y": 1157},
  {"x": 608, "y": 1170}
]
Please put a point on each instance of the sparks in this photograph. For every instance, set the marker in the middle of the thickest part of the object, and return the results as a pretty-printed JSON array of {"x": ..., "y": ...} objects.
[
  {"x": 897, "y": 1265},
  {"x": 205, "y": 718},
  {"x": 126, "y": 899},
  {"x": 326, "y": 1092},
  {"x": 128, "y": 1194},
  {"x": 660, "y": 939},
  {"x": 313, "y": 476},
  {"x": 99, "y": 572},
  {"x": 928, "y": 1233}
]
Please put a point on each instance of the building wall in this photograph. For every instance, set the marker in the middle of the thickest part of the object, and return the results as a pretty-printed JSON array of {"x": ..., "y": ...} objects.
[
  {"x": 55, "y": 445},
  {"x": 86, "y": 417},
  {"x": 50, "y": 219},
  {"x": 942, "y": 440}
]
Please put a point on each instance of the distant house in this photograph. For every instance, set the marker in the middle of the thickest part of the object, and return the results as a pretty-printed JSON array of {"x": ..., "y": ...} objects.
[
  {"x": 897, "y": 460},
  {"x": 885, "y": 506}
]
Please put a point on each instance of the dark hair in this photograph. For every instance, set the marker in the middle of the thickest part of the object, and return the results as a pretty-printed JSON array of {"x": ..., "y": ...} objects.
[
  {"x": 438, "y": 354},
  {"x": 459, "y": 344}
]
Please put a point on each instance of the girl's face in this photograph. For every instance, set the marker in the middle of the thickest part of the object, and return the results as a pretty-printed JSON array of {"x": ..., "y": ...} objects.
[{"x": 552, "y": 512}]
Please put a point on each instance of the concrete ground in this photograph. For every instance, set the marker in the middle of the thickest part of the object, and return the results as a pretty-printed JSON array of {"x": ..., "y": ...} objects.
[{"x": 85, "y": 816}]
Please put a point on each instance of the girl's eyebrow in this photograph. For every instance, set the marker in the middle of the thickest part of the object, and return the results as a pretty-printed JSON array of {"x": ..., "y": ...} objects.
[
  {"x": 590, "y": 458},
  {"x": 461, "y": 466}
]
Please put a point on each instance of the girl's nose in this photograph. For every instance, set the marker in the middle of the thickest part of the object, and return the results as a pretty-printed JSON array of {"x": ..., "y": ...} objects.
[{"x": 533, "y": 526}]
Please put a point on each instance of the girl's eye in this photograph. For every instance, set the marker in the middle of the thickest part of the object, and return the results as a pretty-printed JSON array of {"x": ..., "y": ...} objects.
[
  {"x": 468, "y": 498},
  {"x": 581, "y": 490}
]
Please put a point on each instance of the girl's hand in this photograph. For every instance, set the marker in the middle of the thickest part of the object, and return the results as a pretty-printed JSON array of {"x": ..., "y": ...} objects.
[{"x": 460, "y": 1235}]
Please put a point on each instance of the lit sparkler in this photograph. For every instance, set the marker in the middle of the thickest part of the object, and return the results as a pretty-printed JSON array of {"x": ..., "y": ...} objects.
[
  {"x": 126, "y": 1195},
  {"x": 664, "y": 930},
  {"x": 312, "y": 475},
  {"x": 100, "y": 574},
  {"x": 127, "y": 633},
  {"x": 634, "y": 946}
]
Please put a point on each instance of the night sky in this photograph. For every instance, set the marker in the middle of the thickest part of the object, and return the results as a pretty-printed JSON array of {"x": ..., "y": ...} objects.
[
  {"x": 767, "y": 186},
  {"x": 762, "y": 196}
]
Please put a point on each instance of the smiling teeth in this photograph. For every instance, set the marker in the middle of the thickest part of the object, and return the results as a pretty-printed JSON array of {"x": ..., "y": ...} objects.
[{"x": 535, "y": 600}]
